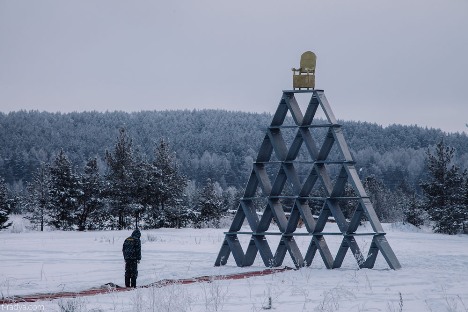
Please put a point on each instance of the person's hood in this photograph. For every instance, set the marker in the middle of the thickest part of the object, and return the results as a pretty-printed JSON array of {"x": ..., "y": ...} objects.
[{"x": 136, "y": 233}]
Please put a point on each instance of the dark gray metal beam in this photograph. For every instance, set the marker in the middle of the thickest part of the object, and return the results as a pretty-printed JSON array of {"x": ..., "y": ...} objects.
[
  {"x": 326, "y": 145},
  {"x": 293, "y": 250},
  {"x": 236, "y": 249},
  {"x": 252, "y": 185},
  {"x": 238, "y": 220},
  {"x": 309, "y": 183},
  {"x": 266, "y": 150},
  {"x": 295, "y": 147},
  {"x": 250, "y": 213},
  {"x": 294, "y": 108},
  {"x": 278, "y": 214},
  {"x": 265, "y": 220},
  {"x": 264, "y": 250},
  {"x": 371, "y": 256},
  {"x": 223, "y": 254},
  {"x": 310, "y": 143},
  {"x": 306, "y": 215},
  {"x": 337, "y": 214},
  {"x": 280, "y": 253},
  {"x": 276, "y": 139},
  {"x": 320, "y": 95},
  {"x": 387, "y": 252},
  {"x": 278, "y": 184},
  {"x": 263, "y": 179},
  {"x": 323, "y": 218},
  {"x": 250, "y": 253},
  {"x": 311, "y": 110},
  {"x": 318, "y": 243},
  {"x": 281, "y": 112},
  {"x": 340, "y": 184},
  {"x": 291, "y": 174},
  {"x": 293, "y": 220}
]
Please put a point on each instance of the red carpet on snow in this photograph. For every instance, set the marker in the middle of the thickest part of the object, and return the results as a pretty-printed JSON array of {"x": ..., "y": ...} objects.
[{"x": 110, "y": 287}]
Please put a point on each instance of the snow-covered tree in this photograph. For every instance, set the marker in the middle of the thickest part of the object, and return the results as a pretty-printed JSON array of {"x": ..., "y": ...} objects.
[
  {"x": 166, "y": 185},
  {"x": 465, "y": 222},
  {"x": 39, "y": 199},
  {"x": 413, "y": 211},
  {"x": 376, "y": 192},
  {"x": 120, "y": 185},
  {"x": 4, "y": 206},
  {"x": 64, "y": 193},
  {"x": 231, "y": 198},
  {"x": 89, "y": 213},
  {"x": 348, "y": 207},
  {"x": 444, "y": 191},
  {"x": 210, "y": 204},
  {"x": 171, "y": 182},
  {"x": 147, "y": 180}
]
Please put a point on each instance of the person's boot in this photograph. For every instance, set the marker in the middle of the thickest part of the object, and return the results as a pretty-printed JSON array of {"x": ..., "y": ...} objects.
[
  {"x": 127, "y": 281},
  {"x": 133, "y": 282}
]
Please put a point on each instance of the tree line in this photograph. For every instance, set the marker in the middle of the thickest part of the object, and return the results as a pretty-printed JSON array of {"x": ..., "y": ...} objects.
[
  {"x": 215, "y": 144},
  {"x": 139, "y": 179},
  {"x": 132, "y": 192}
]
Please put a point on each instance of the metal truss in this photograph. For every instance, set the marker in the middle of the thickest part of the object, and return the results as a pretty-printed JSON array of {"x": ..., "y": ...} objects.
[{"x": 275, "y": 156}]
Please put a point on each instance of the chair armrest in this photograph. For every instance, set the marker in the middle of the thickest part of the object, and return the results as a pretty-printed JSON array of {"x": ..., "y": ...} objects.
[{"x": 308, "y": 70}]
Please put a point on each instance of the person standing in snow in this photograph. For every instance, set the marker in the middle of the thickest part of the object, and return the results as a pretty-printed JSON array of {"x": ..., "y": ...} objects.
[{"x": 132, "y": 254}]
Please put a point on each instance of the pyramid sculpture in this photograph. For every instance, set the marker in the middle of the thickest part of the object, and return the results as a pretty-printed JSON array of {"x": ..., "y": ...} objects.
[{"x": 275, "y": 181}]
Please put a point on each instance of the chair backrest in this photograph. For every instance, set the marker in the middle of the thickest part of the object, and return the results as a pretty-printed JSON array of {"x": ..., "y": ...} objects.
[{"x": 308, "y": 60}]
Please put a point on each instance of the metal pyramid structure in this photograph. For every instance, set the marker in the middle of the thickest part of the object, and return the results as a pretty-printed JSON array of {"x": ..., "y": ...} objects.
[{"x": 283, "y": 182}]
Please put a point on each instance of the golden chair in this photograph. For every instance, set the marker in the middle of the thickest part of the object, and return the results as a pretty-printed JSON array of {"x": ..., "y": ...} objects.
[{"x": 304, "y": 76}]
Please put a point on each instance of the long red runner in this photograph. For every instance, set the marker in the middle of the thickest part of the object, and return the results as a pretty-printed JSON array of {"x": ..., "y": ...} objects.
[{"x": 110, "y": 287}]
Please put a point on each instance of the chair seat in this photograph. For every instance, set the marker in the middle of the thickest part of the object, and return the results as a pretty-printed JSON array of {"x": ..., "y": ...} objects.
[{"x": 304, "y": 81}]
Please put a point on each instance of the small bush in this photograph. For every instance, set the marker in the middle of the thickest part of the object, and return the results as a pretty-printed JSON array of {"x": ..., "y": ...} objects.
[{"x": 72, "y": 305}]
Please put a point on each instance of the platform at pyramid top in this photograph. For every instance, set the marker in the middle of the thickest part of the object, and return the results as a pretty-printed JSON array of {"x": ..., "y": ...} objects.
[{"x": 303, "y": 164}]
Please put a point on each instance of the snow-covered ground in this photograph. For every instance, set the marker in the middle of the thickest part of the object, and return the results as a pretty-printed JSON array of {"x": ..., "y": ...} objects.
[{"x": 434, "y": 276}]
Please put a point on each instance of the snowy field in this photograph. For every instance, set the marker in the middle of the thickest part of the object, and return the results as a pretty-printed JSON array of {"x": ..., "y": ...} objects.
[{"x": 434, "y": 276}]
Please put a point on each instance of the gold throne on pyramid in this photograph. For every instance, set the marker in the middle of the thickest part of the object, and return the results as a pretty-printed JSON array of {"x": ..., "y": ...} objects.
[
  {"x": 304, "y": 76},
  {"x": 291, "y": 174}
]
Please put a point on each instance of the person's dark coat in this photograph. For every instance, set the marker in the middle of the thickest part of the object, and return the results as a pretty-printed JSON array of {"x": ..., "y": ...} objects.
[
  {"x": 132, "y": 246},
  {"x": 131, "y": 250}
]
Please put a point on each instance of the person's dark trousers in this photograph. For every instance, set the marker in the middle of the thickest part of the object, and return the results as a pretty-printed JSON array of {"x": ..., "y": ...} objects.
[{"x": 131, "y": 273}]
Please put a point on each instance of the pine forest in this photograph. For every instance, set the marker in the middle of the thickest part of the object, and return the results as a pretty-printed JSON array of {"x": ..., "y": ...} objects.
[{"x": 92, "y": 170}]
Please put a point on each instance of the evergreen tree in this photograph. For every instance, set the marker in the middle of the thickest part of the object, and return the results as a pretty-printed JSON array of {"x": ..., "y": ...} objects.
[
  {"x": 444, "y": 191},
  {"x": 191, "y": 194},
  {"x": 413, "y": 212},
  {"x": 210, "y": 204},
  {"x": 4, "y": 206},
  {"x": 466, "y": 190},
  {"x": 90, "y": 214},
  {"x": 465, "y": 222},
  {"x": 148, "y": 177},
  {"x": 231, "y": 198},
  {"x": 375, "y": 190},
  {"x": 120, "y": 188},
  {"x": 64, "y": 193},
  {"x": 39, "y": 201},
  {"x": 177, "y": 215},
  {"x": 166, "y": 185},
  {"x": 348, "y": 207},
  {"x": 171, "y": 182}
]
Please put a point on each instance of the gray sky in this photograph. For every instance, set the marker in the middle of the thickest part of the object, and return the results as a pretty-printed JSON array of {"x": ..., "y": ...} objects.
[{"x": 379, "y": 61}]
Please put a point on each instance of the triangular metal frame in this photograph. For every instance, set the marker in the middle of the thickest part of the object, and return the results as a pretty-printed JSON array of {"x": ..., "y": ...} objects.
[{"x": 274, "y": 144}]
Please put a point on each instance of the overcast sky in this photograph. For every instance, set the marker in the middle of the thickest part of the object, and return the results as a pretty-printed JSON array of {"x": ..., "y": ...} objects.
[{"x": 386, "y": 62}]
